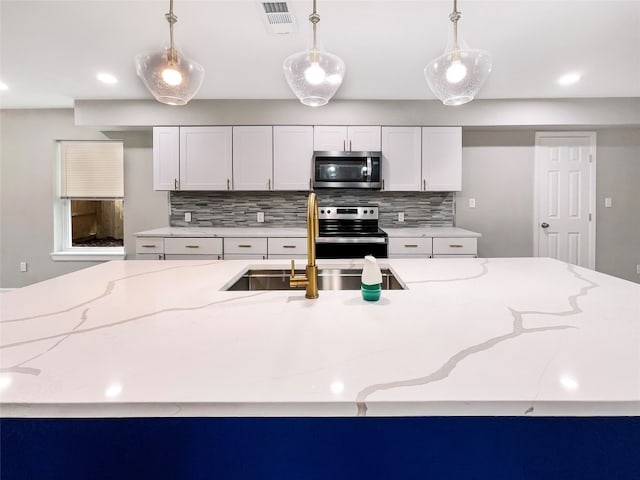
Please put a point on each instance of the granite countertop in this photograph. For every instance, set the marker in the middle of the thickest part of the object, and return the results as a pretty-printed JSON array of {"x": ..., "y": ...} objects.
[
  {"x": 296, "y": 232},
  {"x": 506, "y": 336}
]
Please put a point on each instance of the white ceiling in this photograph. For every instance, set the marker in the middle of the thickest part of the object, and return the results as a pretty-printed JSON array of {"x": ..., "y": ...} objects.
[{"x": 52, "y": 50}]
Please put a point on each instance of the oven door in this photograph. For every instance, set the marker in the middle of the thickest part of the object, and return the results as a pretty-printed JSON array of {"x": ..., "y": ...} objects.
[
  {"x": 351, "y": 247},
  {"x": 346, "y": 170}
]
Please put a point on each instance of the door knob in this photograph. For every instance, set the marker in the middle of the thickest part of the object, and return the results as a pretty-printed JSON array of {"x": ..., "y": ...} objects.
[{"x": 544, "y": 225}]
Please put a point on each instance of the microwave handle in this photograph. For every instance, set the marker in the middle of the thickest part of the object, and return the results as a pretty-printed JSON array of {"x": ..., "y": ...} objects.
[{"x": 368, "y": 169}]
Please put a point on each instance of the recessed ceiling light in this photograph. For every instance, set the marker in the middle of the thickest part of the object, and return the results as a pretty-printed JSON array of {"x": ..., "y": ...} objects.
[
  {"x": 107, "y": 78},
  {"x": 4, "y": 86},
  {"x": 569, "y": 78}
]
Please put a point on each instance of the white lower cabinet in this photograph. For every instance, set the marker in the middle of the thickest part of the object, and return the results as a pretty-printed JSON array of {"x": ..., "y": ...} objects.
[
  {"x": 455, "y": 247},
  {"x": 241, "y": 248},
  {"x": 185, "y": 248},
  {"x": 149, "y": 248},
  {"x": 287, "y": 248},
  {"x": 410, "y": 247}
]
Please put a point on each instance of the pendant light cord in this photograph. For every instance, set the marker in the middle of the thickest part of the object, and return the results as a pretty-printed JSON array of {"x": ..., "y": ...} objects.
[
  {"x": 171, "y": 18},
  {"x": 454, "y": 17},
  {"x": 314, "y": 18}
]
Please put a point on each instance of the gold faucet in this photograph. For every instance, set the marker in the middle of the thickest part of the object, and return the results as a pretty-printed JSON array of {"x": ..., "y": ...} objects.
[{"x": 310, "y": 278}]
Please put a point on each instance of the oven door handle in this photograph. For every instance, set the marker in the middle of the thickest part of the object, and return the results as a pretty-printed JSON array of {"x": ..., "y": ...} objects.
[{"x": 377, "y": 240}]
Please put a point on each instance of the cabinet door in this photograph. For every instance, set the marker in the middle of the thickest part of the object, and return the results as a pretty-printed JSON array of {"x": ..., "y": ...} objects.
[
  {"x": 363, "y": 138},
  {"x": 401, "y": 162},
  {"x": 205, "y": 158},
  {"x": 166, "y": 158},
  {"x": 292, "y": 153},
  {"x": 442, "y": 159},
  {"x": 332, "y": 138},
  {"x": 253, "y": 158}
]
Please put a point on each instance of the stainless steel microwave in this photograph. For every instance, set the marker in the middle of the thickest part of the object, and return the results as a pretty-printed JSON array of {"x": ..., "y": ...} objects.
[{"x": 347, "y": 170}]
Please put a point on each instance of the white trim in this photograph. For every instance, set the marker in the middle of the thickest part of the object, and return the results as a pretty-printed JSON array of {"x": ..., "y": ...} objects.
[
  {"x": 592, "y": 189},
  {"x": 89, "y": 254}
]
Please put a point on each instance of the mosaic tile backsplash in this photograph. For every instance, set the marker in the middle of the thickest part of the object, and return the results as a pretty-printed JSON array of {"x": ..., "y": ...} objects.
[{"x": 288, "y": 209}]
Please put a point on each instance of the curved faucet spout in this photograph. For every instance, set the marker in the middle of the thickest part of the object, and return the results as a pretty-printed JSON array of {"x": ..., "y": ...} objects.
[{"x": 310, "y": 278}]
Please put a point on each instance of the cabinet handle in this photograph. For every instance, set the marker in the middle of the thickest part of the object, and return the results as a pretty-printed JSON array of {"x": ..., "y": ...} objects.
[
  {"x": 455, "y": 246},
  {"x": 244, "y": 246},
  {"x": 192, "y": 246},
  {"x": 349, "y": 145},
  {"x": 228, "y": 184},
  {"x": 309, "y": 184},
  {"x": 288, "y": 246},
  {"x": 269, "y": 185},
  {"x": 175, "y": 183},
  {"x": 411, "y": 246},
  {"x": 424, "y": 184},
  {"x": 148, "y": 246},
  {"x": 344, "y": 144}
]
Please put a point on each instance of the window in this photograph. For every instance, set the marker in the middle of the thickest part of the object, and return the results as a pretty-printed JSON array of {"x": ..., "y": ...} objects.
[{"x": 88, "y": 213}]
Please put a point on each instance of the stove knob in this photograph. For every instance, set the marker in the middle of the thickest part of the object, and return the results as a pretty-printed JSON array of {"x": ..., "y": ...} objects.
[
  {"x": 370, "y": 211},
  {"x": 321, "y": 211},
  {"x": 328, "y": 211},
  {"x": 364, "y": 212}
]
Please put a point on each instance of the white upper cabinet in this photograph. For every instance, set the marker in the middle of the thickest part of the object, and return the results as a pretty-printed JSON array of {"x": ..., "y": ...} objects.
[
  {"x": 292, "y": 153},
  {"x": 401, "y": 158},
  {"x": 442, "y": 159},
  {"x": 253, "y": 158},
  {"x": 343, "y": 138},
  {"x": 166, "y": 158},
  {"x": 205, "y": 158}
]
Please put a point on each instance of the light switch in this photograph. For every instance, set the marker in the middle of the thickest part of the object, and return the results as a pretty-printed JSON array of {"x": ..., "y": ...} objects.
[
  {"x": 608, "y": 202},
  {"x": 260, "y": 217},
  {"x": 23, "y": 266},
  {"x": 187, "y": 216},
  {"x": 472, "y": 203},
  {"x": 401, "y": 216}
]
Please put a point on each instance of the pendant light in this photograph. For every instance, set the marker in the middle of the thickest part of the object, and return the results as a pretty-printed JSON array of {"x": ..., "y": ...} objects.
[
  {"x": 456, "y": 76},
  {"x": 171, "y": 77},
  {"x": 314, "y": 75}
]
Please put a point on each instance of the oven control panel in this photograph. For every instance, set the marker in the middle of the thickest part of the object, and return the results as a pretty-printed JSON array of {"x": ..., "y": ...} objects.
[{"x": 365, "y": 212}]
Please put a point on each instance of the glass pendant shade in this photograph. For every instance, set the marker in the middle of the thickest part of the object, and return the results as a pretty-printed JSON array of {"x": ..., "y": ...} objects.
[
  {"x": 456, "y": 76},
  {"x": 171, "y": 82},
  {"x": 314, "y": 76}
]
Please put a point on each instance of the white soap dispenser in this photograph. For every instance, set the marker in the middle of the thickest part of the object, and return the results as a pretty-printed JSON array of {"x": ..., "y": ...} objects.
[{"x": 371, "y": 283}]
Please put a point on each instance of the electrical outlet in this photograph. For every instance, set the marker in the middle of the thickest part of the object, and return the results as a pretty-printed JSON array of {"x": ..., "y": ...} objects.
[
  {"x": 401, "y": 216},
  {"x": 23, "y": 266},
  {"x": 260, "y": 217},
  {"x": 608, "y": 203},
  {"x": 472, "y": 203},
  {"x": 187, "y": 216}
]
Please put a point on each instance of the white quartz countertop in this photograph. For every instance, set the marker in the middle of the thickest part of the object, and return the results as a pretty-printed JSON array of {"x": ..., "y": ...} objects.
[
  {"x": 296, "y": 232},
  {"x": 516, "y": 337},
  {"x": 430, "y": 232},
  {"x": 224, "y": 232}
]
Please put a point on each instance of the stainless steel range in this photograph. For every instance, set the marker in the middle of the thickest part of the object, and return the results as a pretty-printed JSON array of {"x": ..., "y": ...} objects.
[{"x": 350, "y": 232}]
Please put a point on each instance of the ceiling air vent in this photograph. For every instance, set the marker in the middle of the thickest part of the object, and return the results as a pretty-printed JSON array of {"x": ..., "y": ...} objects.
[{"x": 278, "y": 18}]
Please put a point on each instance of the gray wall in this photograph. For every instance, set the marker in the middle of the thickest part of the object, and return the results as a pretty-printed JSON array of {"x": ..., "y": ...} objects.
[
  {"x": 498, "y": 170},
  {"x": 27, "y": 163}
]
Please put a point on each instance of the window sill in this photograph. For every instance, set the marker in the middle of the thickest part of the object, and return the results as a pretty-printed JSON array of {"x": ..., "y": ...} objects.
[{"x": 88, "y": 254}]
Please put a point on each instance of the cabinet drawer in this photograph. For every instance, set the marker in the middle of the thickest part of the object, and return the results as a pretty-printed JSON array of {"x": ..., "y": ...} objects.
[
  {"x": 248, "y": 246},
  {"x": 149, "y": 245},
  {"x": 410, "y": 246},
  {"x": 193, "y": 246},
  {"x": 455, "y": 246},
  {"x": 287, "y": 246}
]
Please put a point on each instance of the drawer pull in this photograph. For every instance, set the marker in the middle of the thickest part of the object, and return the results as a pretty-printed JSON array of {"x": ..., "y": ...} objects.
[
  {"x": 148, "y": 246},
  {"x": 411, "y": 246},
  {"x": 192, "y": 246},
  {"x": 456, "y": 245},
  {"x": 288, "y": 246},
  {"x": 244, "y": 246}
]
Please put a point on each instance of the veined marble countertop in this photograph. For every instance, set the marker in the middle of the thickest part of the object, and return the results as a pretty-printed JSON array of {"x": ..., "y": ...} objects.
[
  {"x": 295, "y": 232},
  {"x": 430, "y": 232},
  {"x": 513, "y": 337}
]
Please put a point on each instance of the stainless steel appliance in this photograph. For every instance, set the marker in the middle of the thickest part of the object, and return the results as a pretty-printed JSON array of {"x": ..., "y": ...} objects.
[
  {"x": 350, "y": 232},
  {"x": 347, "y": 170}
]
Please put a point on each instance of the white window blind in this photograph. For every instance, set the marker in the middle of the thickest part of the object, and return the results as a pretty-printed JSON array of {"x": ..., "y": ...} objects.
[{"x": 92, "y": 169}]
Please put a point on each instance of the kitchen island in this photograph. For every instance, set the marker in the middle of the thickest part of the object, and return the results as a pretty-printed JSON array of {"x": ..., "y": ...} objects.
[{"x": 474, "y": 339}]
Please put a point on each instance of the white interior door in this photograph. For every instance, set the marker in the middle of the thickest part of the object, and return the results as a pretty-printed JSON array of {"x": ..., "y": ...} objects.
[{"x": 564, "y": 209}]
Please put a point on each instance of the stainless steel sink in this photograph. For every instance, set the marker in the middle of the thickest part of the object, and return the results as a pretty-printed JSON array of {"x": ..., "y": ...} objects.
[{"x": 328, "y": 279}]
